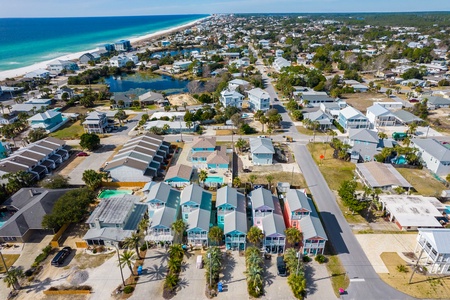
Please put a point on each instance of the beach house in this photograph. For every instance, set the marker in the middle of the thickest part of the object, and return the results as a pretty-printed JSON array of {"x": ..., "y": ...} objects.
[
  {"x": 59, "y": 65},
  {"x": 202, "y": 147},
  {"x": 179, "y": 175},
  {"x": 122, "y": 45},
  {"x": 196, "y": 212},
  {"x": 296, "y": 207},
  {"x": 262, "y": 151},
  {"x": 95, "y": 122},
  {"x": 351, "y": 118},
  {"x": 231, "y": 217},
  {"x": 164, "y": 209},
  {"x": 114, "y": 219},
  {"x": 230, "y": 97},
  {"x": 50, "y": 120},
  {"x": 434, "y": 155},
  {"x": 258, "y": 99},
  {"x": 435, "y": 245}
]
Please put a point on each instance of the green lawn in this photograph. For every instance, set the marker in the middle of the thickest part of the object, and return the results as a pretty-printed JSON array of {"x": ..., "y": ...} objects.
[
  {"x": 307, "y": 131},
  {"x": 334, "y": 170},
  {"x": 424, "y": 183},
  {"x": 10, "y": 259},
  {"x": 339, "y": 278},
  {"x": 69, "y": 131}
]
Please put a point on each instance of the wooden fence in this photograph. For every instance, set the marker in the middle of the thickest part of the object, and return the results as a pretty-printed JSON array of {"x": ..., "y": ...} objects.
[
  {"x": 55, "y": 240},
  {"x": 123, "y": 184}
]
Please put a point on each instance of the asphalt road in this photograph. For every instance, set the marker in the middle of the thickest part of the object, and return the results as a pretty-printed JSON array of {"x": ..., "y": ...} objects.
[{"x": 364, "y": 281}]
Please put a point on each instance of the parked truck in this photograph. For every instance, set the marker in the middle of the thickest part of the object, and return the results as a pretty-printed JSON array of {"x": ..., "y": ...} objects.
[{"x": 399, "y": 136}]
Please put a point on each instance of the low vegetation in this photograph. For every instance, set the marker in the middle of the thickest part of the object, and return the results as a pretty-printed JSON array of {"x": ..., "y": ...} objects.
[
  {"x": 69, "y": 208},
  {"x": 42, "y": 256},
  {"x": 296, "y": 279},
  {"x": 339, "y": 278},
  {"x": 255, "y": 272},
  {"x": 71, "y": 130},
  {"x": 421, "y": 286}
]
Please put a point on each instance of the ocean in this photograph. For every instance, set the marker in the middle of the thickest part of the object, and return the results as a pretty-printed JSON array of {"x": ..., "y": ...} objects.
[{"x": 26, "y": 41}]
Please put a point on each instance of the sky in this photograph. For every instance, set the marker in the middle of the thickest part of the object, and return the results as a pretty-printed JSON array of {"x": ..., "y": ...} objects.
[{"x": 61, "y": 8}]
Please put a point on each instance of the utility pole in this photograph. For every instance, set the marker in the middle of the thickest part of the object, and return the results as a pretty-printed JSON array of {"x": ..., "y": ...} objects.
[
  {"x": 415, "y": 267},
  {"x": 210, "y": 269},
  {"x": 4, "y": 263},
  {"x": 118, "y": 257}
]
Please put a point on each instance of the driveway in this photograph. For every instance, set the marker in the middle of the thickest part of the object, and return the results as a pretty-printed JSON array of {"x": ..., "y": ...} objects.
[
  {"x": 318, "y": 281},
  {"x": 233, "y": 277},
  {"x": 375, "y": 244},
  {"x": 275, "y": 287},
  {"x": 192, "y": 280},
  {"x": 154, "y": 271}
]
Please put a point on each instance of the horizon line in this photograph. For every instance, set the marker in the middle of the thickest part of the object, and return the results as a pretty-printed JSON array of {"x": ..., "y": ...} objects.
[{"x": 234, "y": 13}]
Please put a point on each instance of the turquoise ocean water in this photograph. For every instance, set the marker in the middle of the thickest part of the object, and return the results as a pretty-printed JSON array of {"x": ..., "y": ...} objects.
[{"x": 26, "y": 41}]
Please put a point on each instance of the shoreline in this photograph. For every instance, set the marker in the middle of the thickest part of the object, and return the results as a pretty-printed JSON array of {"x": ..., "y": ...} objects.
[{"x": 137, "y": 41}]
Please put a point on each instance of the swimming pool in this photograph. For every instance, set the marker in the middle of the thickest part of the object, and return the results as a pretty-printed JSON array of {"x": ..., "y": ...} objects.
[
  {"x": 215, "y": 179},
  {"x": 113, "y": 193},
  {"x": 447, "y": 210}
]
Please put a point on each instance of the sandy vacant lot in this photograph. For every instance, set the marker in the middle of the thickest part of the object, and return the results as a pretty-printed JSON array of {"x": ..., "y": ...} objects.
[
  {"x": 375, "y": 244},
  {"x": 179, "y": 99},
  {"x": 362, "y": 101}
]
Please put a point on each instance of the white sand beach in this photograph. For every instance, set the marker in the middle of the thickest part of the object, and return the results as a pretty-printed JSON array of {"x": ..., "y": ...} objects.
[{"x": 74, "y": 56}]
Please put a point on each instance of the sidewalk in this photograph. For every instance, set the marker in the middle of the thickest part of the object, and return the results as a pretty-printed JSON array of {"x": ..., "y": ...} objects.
[{"x": 318, "y": 281}]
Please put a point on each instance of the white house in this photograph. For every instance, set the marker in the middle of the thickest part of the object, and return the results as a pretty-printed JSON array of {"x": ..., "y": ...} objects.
[
  {"x": 435, "y": 245},
  {"x": 230, "y": 97},
  {"x": 351, "y": 118},
  {"x": 40, "y": 73},
  {"x": 434, "y": 155},
  {"x": 59, "y": 65},
  {"x": 380, "y": 116},
  {"x": 280, "y": 62},
  {"x": 258, "y": 99},
  {"x": 122, "y": 59}
]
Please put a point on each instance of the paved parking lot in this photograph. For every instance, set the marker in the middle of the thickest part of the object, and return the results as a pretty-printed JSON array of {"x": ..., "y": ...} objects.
[
  {"x": 375, "y": 244},
  {"x": 318, "y": 281},
  {"x": 192, "y": 280},
  {"x": 154, "y": 271},
  {"x": 233, "y": 277},
  {"x": 94, "y": 161},
  {"x": 275, "y": 287}
]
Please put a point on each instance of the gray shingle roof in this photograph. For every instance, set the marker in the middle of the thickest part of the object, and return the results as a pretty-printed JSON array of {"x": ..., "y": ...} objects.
[
  {"x": 159, "y": 191},
  {"x": 297, "y": 200},
  {"x": 435, "y": 100},
  {"x": 235, "y": 221},
  {"x": 261, "y": 145},
  {"x": 262, "y": 197},
  {"x": 364, "y": 135},
  {"x": 204, "y": 142},
  {"x": 179, "y": 170},
  {"x": 405, "y": 116},
  {"x": 312, "y": 227},
  {"x": 273, "y": 225},
  {"x": 199, "y": 218},
  {"x": 227, "y": 195},
  {"x": 31, "y": 210},
  {"x": 434, "y": 148}
]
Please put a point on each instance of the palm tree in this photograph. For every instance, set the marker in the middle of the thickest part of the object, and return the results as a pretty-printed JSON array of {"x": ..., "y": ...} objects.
[
  {"x": 293, "y": 235},
  {"x": 382, "y": 135},
  {"x": 252, "y": 178},
  {"x": 215, "y": 235},
  {"x": 9, "y": 107},
  {"x": 412, "y": 128},
  {"x": 179, "y": 227},
  {"x": 176, "y": 251},
  {"x": 240, "y": 144},
  {"x": 189, "y": 124},
  {"x": 255, "y": 235},
  {"x": 133, "y": 242},
  {"x": 165, "y": 128},
  {"x": 263, "y": 120},
  {"x": 236, "y": 182},
  {"x": 269, "y": 179},
  {"x": 2, "y": 108},
  {"x": 407, "y": 141},
  {"x": 254, "y": 276},
  {"x": 120, "y": 115},
  {"x": 202, "y": 176},
  {"x": 128, "y": 258},
  {"x": 184, "y": 105},
  {"x": 175, "y": 107},
  {"x": 12, "y": 278}
]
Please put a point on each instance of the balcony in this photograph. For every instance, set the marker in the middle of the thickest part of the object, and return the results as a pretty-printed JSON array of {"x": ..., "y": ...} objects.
[
  {"x": 261, "y": 214},
  {"x": 198, "y": 236},
  {"x": 274, "y": 243},
  {"x": 223, "y": 212},
  {"x": 235, "y": 239},
  {"x": 299, "y": 217},
  {"x": 188, "y": 209}
]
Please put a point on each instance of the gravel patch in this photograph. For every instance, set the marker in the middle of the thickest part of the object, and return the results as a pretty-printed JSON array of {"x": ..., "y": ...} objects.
[{"x": 78, "y": 276}]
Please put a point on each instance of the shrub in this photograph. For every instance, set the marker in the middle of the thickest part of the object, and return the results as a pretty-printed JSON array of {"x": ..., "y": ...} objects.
[
  {"x": 402, "y": 269},
  {"x": 128, "y": 289},
  {"x": 94, "y": 251},
  {"x": 320, "y": 258},
  {"x": 42, "y": 256},
  {"x": 306, "y": 258},
  {"x": 143, "y": 247},
  {"x": 298, "y": 285}
]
